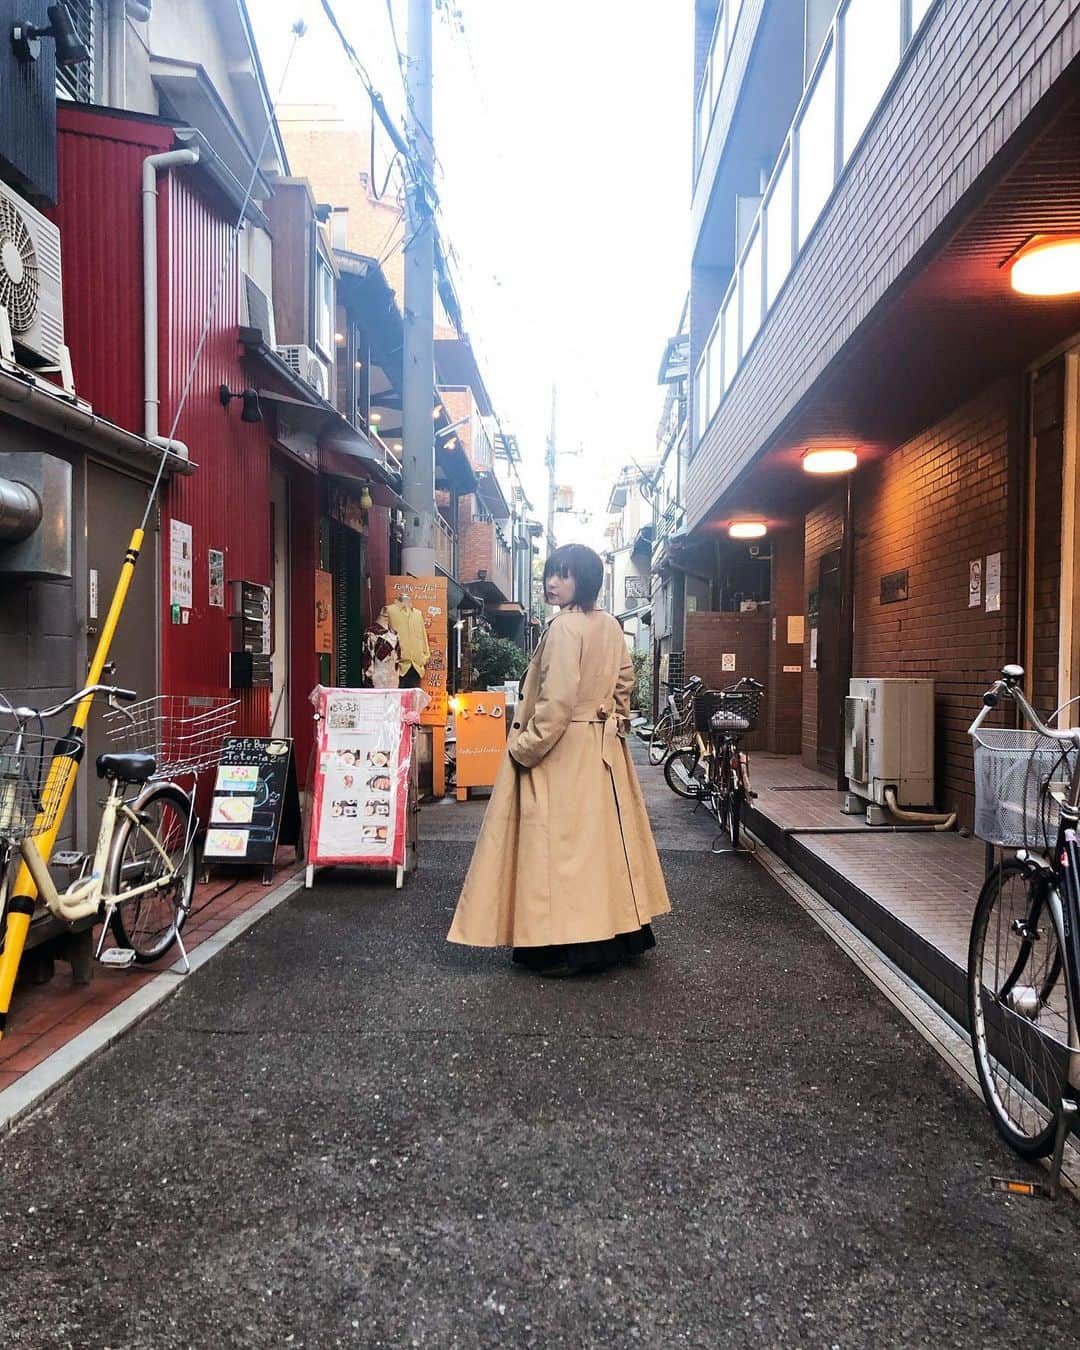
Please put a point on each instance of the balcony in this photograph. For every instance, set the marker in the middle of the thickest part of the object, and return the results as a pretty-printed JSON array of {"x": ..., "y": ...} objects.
[
  {"x": 444, "y": 546},
  {"x": 487, "y": 561},
  {"x": 859, "y": 59}
]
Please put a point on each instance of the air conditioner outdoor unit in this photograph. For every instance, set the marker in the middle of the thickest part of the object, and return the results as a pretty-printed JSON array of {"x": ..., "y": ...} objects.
[
  {"x": 311, "y": 368},
  {"x": 889, "y": 740},
  {"x": 30, "y": 289}
]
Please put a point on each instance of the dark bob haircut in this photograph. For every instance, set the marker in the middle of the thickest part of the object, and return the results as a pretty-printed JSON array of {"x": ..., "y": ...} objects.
[{"x": 584, "y": 566}]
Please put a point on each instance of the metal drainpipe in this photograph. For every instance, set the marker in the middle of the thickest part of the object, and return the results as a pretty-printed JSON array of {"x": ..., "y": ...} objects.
[
  {"x": 152, "y": 166},
  {"x": 20, "y": 511}
]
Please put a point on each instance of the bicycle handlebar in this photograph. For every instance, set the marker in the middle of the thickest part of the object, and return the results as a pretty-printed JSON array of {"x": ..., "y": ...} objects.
[
  {"x": 1009, "y": 684},
  {"x": 111, "y": 691}
]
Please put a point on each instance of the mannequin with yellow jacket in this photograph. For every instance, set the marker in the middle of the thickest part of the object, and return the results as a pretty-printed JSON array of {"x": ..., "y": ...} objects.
[{"x": 408, "y": 623}]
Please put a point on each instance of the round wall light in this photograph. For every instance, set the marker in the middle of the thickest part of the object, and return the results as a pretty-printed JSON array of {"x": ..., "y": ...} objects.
[
  {"x": 1047, "y": 266},
  {"x": 747, "y": 529},
  {"x": 830, "y": 461}
]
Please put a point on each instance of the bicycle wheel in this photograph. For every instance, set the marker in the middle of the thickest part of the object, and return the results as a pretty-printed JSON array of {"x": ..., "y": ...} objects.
[
  {"x": 684, "y": 774},
  {"x": 734, "y": 811},
  {"x": 160, "y": 845},
  {"x": 1018, "y": 1007},
  {"x": 660, "y": 740}
]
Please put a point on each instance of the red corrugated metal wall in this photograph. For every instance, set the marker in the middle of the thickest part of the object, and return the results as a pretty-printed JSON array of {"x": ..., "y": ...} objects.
[
  {"x": 100, "y": 217},
  {"x": 227, "y": 502}
]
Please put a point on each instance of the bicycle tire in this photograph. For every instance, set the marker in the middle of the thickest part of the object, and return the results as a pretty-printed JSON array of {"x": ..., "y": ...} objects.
[
  {"x": 734, "y": 820},
  {"x": 660, "y": 740},
  {"x": 1018, "y": 1018},
  {"x": 150, "y": 925},
  {"x": 684, "y": 775}
]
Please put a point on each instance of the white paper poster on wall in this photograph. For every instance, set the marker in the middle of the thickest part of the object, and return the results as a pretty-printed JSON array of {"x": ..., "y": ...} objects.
[
  {"x": 975, "y": 584},
  {"x": 813, "y": 648},
  {"x": 215, "y": 560},
  {"x": 796, "y": 629},
  {"x": 727, "y": 661},
  {"x": 180, "y": 592},
  {"x": 993, "y": 583}
]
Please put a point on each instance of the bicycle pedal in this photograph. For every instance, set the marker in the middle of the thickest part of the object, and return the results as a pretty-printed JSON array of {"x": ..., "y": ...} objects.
[
  {"x": 117, "y": 956},
  {"x": 1030, "y": 1189}
]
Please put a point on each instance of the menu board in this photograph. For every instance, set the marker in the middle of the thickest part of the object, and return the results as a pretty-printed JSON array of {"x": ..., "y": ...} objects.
[
  {"x": 480, "y": 725},
  {"x": 361, "y": 787},
  {"x": 429, "y": 597},
  {"x": 256, "y": 802}
]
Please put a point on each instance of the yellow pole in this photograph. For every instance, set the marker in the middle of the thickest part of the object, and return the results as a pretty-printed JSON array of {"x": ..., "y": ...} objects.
[{"x": 59, "y": 786}]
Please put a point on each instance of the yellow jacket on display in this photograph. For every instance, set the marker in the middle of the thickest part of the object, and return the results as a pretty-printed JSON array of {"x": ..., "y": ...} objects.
[{"x": 408, "y": 624}]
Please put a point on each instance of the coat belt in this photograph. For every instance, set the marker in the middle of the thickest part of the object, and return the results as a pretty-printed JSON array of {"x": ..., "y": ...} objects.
[{"x": 604, "y": 714}]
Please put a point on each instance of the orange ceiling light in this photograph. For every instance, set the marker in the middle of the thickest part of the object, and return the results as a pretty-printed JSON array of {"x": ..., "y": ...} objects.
[
  {"x": 747, "y": 529},
  {"x": 1047, "y": 265},
  {"x": 830, "y": 461}
]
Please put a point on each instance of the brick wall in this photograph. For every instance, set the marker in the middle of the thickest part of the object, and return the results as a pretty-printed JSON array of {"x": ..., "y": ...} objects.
[
  {"x": 932, "y": 507},
  {"x": 785, "y": 688},
  {"x": 824, "y": 532},
  {"x": 709, "y": 635},
  {"x": 1048, "y": 433},
  {"x": 977, "y": 70}
]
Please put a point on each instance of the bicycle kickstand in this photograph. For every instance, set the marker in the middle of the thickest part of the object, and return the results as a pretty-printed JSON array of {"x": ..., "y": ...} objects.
[{"x": 1050, "y": 1188}]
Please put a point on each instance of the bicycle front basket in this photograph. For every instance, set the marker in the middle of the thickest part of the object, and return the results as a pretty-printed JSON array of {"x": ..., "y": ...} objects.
[
  {"x": 727, "y": 710},
  {"x": 1014, "y": 774}
]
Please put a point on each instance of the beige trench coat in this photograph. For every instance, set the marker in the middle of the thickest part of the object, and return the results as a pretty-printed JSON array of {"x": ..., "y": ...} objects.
[{"x": 566, "y": 853}]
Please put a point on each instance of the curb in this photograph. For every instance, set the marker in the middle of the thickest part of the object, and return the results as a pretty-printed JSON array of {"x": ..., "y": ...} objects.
[{"x": 43, "y": 1080}]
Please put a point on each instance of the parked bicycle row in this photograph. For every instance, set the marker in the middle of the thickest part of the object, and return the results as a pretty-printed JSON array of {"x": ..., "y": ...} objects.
[{"x": 696, "y": 740}]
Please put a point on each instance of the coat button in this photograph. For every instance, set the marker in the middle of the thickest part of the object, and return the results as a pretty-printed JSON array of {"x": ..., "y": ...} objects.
[{"x": 517, "y": 726}]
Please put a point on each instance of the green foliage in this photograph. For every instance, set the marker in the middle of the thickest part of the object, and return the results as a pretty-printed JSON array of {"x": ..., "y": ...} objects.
[
  {"x": 494, "y": 660},
  {"x": 641, "y": 698}
]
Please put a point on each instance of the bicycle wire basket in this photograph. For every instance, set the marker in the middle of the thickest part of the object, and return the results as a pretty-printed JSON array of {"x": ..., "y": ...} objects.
[
  {"x": 184, "y": 732},
  {"x": 734, "y": 710},
  {"x": 29, "y": 804},
  {"x": 1018, "y": 778}
]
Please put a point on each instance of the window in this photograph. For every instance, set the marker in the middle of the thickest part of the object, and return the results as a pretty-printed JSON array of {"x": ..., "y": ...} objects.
[
  {"x": 815, "y": 140},
  {"x": 731, "y": 334},
  {"x": 778, "y": 231},
  {"x": 339, "y": 227},
  {"x": 77, "y": 82},
  {"x": 871, "y": 55},
  {"x": 699, "y": 398},
  {"x": 716, "y": 371},
  {"x": 324, "y": 305},
  {"x": 751, "y": 291}
]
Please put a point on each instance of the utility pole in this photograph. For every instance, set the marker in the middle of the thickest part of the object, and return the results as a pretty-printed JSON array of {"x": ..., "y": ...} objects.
[
  {"x": 418, "y": 426},
  {"x": 549, "y": 460}
]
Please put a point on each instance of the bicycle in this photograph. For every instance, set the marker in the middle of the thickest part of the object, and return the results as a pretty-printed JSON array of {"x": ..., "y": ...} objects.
[
  {"x": 1023, "y": 972},
  {"x": 675, "y": 723},
  {"x": 142, "y": 872},
  {"x": 714, "y": 771}
]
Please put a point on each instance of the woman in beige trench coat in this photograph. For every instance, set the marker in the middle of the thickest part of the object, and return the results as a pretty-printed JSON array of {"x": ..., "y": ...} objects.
[{"x": 565, "y": 870}]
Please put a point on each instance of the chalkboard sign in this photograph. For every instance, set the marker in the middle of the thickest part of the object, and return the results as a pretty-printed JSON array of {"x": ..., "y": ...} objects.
[{"x": 256, "y": 802}]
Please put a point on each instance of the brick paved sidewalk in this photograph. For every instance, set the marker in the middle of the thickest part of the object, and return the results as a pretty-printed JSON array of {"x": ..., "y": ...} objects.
[{"x": 45, "y": 1018}]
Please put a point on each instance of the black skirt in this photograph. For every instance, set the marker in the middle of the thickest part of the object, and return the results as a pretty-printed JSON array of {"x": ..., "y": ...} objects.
[{"x": 585, "y": 957}]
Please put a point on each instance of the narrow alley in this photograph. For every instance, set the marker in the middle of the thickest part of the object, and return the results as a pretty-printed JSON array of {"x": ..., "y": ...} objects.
[{"x": 344, "y": 1132}]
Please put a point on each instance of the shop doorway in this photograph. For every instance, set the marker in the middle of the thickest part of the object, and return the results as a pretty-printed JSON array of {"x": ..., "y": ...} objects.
[
  {"x": 830, "y": 688},
  {"x": 280, "y": 606}
]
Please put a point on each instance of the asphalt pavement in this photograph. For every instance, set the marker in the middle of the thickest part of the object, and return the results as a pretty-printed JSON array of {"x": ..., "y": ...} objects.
[{"x": 344, "y": 1132}]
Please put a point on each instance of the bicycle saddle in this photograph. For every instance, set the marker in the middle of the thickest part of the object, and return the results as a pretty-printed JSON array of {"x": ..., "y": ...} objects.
[{"x": 134, "y": 766}]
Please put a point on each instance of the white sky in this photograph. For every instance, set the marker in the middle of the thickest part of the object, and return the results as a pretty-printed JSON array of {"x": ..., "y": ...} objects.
[{"x": 563, "y": 131}]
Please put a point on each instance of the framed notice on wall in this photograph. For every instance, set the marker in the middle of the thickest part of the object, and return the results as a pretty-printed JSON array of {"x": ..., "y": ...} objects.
[{"x": 363, "y": 763}]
